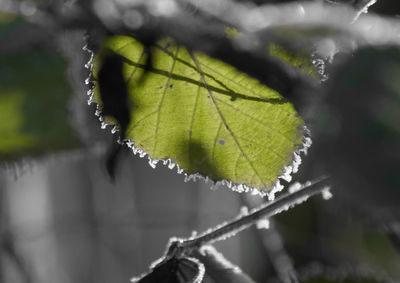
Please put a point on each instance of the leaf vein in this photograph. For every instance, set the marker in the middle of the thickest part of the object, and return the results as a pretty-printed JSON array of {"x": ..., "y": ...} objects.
[
  {"x": 135, "y": 68},
  {"x": 255, "y": 119},
  {"x": 227, "y": 89},
  {"x": 223, "y": 119},
  {"x": 192, "y": 120},
  {"x": 141, "y": 120},
  {"x": 162, "y": 99},
  {"x": 125, "y": 45},
  {"x": 215, "y": 143},
  {"x": 236, "y": 165}
]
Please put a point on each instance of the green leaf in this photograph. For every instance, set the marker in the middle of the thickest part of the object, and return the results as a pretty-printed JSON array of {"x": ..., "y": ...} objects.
[
  {"x": 206, "y": 116},
  {"x": 33, "y": 104},
  {"x": 296, "y": 58}
]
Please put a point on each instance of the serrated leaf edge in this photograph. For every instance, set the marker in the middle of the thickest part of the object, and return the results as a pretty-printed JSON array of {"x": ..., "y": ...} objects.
[{"x": 286, "y": 174}]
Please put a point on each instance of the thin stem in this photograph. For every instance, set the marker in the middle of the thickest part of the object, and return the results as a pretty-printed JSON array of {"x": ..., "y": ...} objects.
[
  {"x": 363, "y": 8},
  {"x": 264, "y": 211},
  {"x": 274, "y": 247}
]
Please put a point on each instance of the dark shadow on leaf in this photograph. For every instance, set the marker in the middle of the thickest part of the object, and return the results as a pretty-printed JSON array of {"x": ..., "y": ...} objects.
[
  {"x": 232, "y": 94},
  {"x": 114, "y": 98},
  {"x": 198, "y": 159},
  {"x": 113, "y": 90}
]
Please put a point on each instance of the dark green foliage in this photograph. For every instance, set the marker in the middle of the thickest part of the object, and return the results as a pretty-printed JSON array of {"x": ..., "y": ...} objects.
[{"x": 34, "y": 97}]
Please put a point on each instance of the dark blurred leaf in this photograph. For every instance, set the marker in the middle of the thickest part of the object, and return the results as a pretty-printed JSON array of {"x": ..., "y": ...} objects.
[
  {"x": 174, "y": 270},
  {"x": 7, "y": 21},
  {"x": 343, "y": 273},
  {"x": 324, "y": 279},
  {"x": 360, "y": 131},
  {"x": 33, "y": 103}
]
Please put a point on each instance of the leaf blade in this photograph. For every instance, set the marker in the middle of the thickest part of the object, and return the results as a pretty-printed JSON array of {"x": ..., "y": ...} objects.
[{"x": 207, "y": 116}]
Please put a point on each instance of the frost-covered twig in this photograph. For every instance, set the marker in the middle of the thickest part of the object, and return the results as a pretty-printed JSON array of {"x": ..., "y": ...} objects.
[
  {"x": 182, "y": 249},
  {"x": 273, "y": 244},
  {"x": 267, "y": 210}
]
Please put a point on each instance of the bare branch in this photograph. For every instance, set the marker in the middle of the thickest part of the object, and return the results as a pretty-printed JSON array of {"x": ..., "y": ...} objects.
[{"x": 266, "y": 210}]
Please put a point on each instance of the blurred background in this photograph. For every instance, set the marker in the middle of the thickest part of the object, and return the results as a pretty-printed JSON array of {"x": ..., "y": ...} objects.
[{"x": 63, "y": 220}]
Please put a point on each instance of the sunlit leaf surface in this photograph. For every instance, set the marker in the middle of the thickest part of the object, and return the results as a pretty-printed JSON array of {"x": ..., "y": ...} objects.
[{"x": 205, "y": 115}]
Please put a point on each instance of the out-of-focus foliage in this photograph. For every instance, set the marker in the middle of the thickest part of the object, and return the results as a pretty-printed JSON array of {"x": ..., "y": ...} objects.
[
  {"x": 298, "y": 58},
  {"x": 33, "y": 100},
  {"x": 295, "y": 58},
  {"x": 338, "y": 240},
  {"x": 206, "y": 116},
  {"x": 360, "y": 132},
  {"x": 323, "y": 279}
]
